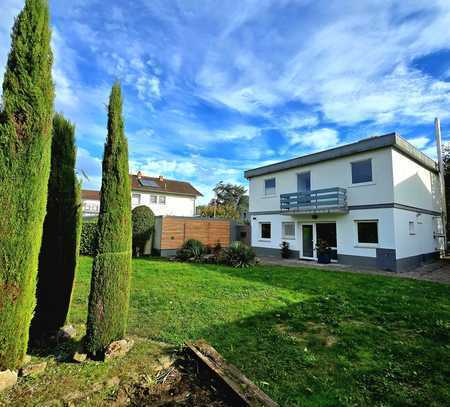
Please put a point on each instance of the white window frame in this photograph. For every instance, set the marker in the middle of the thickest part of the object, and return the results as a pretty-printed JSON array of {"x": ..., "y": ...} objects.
[
  {"x": 274, "y": 189},
  {"x": 283, "y": 234},
  {"x": 412, "y": 227},
  {"x": 162, "y": 199},
  {"x": 357, "y": 184},
  {"x": 153, "y": 199},
  {"x": 133, "y": 196},
  {"x": 363, "y": 244},
  {"x": 265, "y": 239}
]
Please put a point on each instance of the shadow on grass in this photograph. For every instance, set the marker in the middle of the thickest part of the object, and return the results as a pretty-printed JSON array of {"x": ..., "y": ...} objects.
[{"x": 314, "y": 353}]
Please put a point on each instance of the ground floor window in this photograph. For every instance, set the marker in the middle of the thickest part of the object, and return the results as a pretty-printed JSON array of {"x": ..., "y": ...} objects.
[
  {"x": 367, "y": 231},
  {"x": 327, "y": 232},
  {"x": 288, "y": 230},
  {"x": 266, "y": 230}
]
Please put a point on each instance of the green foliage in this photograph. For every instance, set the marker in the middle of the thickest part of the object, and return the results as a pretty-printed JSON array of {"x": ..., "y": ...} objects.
[
  {"x": 191, "y": 250},
  {"x": 232, "y": 199},
  {"x": 238, "y": 255},
  {"x": 88, "y": 241},
  {"x": 111, "y": 271},
  {"x": 58, "y": 258},
  {"x": 143, "y": 221},
  {"x": 219, "y": 211},
  {"x": 25, "y": 142}
]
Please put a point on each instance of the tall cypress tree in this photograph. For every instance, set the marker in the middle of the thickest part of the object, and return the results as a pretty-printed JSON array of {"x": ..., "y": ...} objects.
[
  {"x": 58, "y": 258},
  {"x": 25, "y": 141},
  {"x": 110, "y": 283}
]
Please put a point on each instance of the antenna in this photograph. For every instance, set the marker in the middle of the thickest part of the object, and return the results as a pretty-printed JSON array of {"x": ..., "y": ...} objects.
[{"x": 437, "y": 129}]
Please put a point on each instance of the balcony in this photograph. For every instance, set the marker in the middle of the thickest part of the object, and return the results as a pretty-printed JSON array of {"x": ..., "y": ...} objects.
[{"x": 328, "y": 200}]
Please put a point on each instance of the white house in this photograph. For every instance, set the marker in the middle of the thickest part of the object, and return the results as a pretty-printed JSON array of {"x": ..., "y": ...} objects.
[
  {"x": 377, "y": 203},
  {"x": 163, "y": 196}
]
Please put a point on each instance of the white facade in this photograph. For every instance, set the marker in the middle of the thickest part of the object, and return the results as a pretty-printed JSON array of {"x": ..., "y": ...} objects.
[
  {"x": 91, "y": 207},
  {"x": 401, "y": 204},
  {"x": 165, "y": 204}
]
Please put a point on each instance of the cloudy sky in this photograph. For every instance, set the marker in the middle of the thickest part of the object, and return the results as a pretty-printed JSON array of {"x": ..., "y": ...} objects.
[{"x": 212, "y": 88}]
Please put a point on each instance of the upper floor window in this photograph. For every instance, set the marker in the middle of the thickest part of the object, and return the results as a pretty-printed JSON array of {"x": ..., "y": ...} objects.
[
  {"x": 136, "y": 199},
  {"x": 162, "y": 200},
  {"x": 362, "y": 171},
  {"x": 269, "y": 186}
]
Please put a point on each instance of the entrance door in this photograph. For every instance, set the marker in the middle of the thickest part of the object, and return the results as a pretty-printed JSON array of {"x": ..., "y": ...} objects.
[{"x": 307, "y": 241}]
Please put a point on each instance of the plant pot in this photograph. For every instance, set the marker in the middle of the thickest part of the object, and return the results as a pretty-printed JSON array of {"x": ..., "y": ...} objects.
[{"x": 324, "y": 258}]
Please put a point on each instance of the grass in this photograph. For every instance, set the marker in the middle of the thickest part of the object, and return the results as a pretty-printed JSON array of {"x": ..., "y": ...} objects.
[{"x": 308, "y": 337}]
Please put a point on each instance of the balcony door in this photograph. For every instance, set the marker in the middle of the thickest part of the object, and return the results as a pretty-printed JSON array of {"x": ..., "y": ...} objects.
[
  {"x": 311, "y": 233},
  {"x": 304, "y": 182}
]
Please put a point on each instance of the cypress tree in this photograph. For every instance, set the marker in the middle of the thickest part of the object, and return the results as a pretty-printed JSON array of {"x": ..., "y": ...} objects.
[
  {"x": 110, "y": 282},
  {"x": 58, "y": 258},
  {"x": 25, "y": 141}
]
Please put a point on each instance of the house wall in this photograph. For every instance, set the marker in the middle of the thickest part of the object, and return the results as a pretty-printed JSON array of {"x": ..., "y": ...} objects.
[
  {"x": 176, "y": 205},
  {"x": 328, "y": 174},
  {"x": 415, "y": 185},
  {"x": 345, "y": 231},
  {"x": 91, "y": 207}
]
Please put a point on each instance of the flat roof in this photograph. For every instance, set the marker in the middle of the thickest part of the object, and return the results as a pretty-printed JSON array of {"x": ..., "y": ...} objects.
[{"x": 368, "y": 144}]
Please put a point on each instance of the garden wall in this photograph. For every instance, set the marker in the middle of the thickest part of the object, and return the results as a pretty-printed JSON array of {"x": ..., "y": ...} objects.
[{"x": 172, "y": 231}]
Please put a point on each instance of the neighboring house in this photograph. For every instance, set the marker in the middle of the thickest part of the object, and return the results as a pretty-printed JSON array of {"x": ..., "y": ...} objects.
[
  {"x": 377, "y": 203},
  {"x": 91, "y": 203},
  {"x": 163, "y": 196}
]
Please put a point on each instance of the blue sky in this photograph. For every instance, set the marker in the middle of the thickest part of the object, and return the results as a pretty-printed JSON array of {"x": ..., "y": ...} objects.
[{"x": 212, "y": 88}]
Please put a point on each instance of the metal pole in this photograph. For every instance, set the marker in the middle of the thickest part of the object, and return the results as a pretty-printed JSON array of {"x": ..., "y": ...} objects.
[{"x": 437, "y": 128}]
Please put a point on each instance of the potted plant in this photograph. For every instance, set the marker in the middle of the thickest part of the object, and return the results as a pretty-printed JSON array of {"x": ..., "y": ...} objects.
[
  {"x": 285, "y": 252},
  {"x": 323, "y": 252}
]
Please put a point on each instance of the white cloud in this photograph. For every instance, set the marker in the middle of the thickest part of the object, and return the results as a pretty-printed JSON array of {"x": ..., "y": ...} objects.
[
  {"x": 319, "y": 139},
  {"x": 419, "y": 142}
]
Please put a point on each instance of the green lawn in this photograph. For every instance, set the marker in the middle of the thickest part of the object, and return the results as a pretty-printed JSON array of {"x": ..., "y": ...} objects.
[{"x": 308, "y": 337}]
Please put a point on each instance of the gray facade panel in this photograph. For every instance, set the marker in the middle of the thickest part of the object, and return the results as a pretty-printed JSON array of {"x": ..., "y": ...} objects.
[
  {"x": 358, "y": 261},
  {"x": 386, "y": 259},
  {"x": 409, "y": 263},
  {"x": 270, "y": 252}
]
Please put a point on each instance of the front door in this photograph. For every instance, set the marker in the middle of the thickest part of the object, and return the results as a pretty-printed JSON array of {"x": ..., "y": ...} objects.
[{"x": 307, "y": 245}]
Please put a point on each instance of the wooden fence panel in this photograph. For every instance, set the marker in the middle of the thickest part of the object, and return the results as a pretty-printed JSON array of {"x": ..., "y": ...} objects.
[{"x": 175, "y": 231}]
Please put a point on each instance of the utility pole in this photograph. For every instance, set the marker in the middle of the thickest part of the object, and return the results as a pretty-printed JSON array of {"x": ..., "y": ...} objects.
[{"x": 437, "y": 129}]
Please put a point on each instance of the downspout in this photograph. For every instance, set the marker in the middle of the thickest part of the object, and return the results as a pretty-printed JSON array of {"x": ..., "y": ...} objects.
[{"x": 437, "y": 128}]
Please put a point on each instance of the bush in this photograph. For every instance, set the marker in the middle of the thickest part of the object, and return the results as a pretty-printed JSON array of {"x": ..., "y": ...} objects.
[
  {"x": 191, "y": 250},
  {"x": 238, "y": 255},
  {"x": 88, "y": 238},
  {"x": 143, "y": 221}
]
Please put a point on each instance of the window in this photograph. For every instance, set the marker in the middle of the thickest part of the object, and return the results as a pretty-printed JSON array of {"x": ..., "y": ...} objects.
[
  {"x": 288, "y": 229},
  {"x": 327, "y": 232},
  {"x": 153, "y": 199},
  {"x": 362, "y": 171},
  {"x": 162, "y": 200},
  {"x": 304, "y": 182},
  {"x": 269, "y": 186},
  {"x": 412, "y": 228},
  {"x": 266, "y": 232},
  {"x": 136, "y": 199},
  {"x": 367, "y": 231}
]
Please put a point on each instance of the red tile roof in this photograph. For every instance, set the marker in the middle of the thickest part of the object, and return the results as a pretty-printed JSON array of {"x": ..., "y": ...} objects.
[
  {"x": 169, "y": 186},
  {"x": 90, "y": 194}
]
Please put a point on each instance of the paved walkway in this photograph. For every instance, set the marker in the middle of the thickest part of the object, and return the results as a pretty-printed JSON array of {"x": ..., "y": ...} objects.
[{"x": 438, "y": 272}]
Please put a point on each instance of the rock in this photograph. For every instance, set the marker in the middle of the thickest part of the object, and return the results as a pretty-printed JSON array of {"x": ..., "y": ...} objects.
[
  {"x": 113, "y": 381},
  {"x": 118, "y": 348},
  {"x": 79, "y": 357},
  {"x": 66, "y": 333},
  {"x": 33, "y": 369},
  {"x": 8, "y": 379}
]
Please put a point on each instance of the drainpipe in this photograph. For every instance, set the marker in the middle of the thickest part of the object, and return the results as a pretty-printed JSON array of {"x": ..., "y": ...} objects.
[{"x": 437, "y": 128}]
